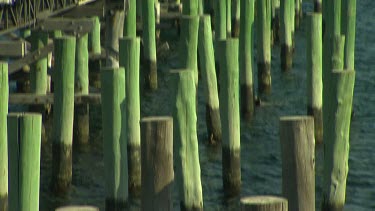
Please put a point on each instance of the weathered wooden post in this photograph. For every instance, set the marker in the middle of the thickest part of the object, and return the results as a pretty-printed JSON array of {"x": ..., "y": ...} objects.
[
  {"x": 114, "y": 22},
  {"x": 246, "y": 58},
  {"x": 207, "y": 64},
  {"x": 129, "y": 59},
  {"x": 130, "y": 22},
  {"x": 77, "y": 208},
  {"x": 38, "y": 73},
  {"x": 149, "y": 44},
  {"x": 185, "y": 136},
  {"x": 220, "y": 20},
  {"x": 348, "y": 28},
  {"x": 318, "y": 6},
  {"x": 63, "y": 111},
  {"x": 230, "y": 116},
  {"x": 314, "y": 72},
  {"x": 298, "y": 161},
  {"x": 264, "y": 203},
  {"x": 24, "y": 143},
  {"x": 336, "y": 138},
  {"x": 157, "y": 159},
  {"x": 81, "y": 86},
  {"x": 190, "y": 7},
  {"x": 236, "y": 12},
  {"x": 189, "y": 44},
  {"x": 114, "y": 137},
  {"x": 264, "y": 45},
  {"x": 275, "y": 22},
  {"x": 94, "y": 46},
  {"x": 4, "y": 92},
  {"x": 286, "y": 36},
  {"x": 94, "y": 37}
]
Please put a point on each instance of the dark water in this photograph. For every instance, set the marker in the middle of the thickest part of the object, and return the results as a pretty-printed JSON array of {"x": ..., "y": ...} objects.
[{"x": 260, "y": 148}]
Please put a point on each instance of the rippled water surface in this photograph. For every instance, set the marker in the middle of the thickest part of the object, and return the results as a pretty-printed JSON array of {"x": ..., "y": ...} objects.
[{"x": 260, "y": 147}]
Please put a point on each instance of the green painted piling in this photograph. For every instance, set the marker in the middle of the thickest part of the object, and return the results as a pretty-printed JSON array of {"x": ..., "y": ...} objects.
[
  {"x": 229, "y": 17},
  {"x": 38, "y": 73},
  {"x": 264, "y": 45},
  {"x": 149, "y": 44},
  {"x": 236, "y": 13},
  {"x": 130, "y": 21},
  {"x": 297, "y": 13},
  {"x": 207, "y": 64},
  {"x": 292, "y": 15},
  {"x": 24, "y": 143},
  {"x": 314, "y": 72},
  {"x": 81, "y": 86},
  {"x": 220, "y": 20},
  {"x": 129, "y": 59},
  {"x": 114, "y": 22},
  {"x": 157, "y": 159},
  {"x": 114, "y": 137},
  {"x": 63, "y": 111},
  {"x": 336, "y": 138},
  {"x": 188, "y": 170},
  {"x": 318, "y": 6},
  {"x": 246, "y": 58},
  {"x": 264, "y": 203},
  {"x": 189, "y": 44},
  {"x": 298, "y": 161},
  {"x": 348, "y": 28},
  {"x": 338, "y": 50},
  {"x": 190, "y": 7},
  {"x": 139, "y": 10},
  {"x": 286, "y": 35},
  {"x": 201, "y": 7},
  {"x": 4, "y": 92},
  {"x": 275, "y": 22},
  {"x": 94, "y": 37},
  {"x": 230, "y": 116}
]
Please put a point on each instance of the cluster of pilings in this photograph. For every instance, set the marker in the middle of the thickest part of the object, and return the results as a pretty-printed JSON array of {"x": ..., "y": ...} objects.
[{"x": 140, "y": 153}]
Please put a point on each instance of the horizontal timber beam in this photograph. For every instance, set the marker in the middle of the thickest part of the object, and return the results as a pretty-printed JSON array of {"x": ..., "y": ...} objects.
[
  {"x": 32, "y": 99},
  {"x": 82, "y": 25},
  {"x": 14, "y": 48}
]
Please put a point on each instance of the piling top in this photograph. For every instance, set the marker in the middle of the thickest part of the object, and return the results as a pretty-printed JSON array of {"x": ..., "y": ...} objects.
[
  {"x": 258, "y": 200},
  {"x": 156, "y": 119},
  {"x": 77, "y": 208},
  {"x": 295, "y": 118}
]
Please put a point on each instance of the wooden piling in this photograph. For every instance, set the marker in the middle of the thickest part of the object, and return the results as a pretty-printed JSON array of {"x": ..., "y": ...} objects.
[
  {"x": 336, "y": 138},
  {"x": 220, "y": 20},
  {"x": 264, "y": 45},
  {"x": 114, "y": 137},
  {"x": 298, "y": 161},
  {"x": 286, "y": 36},
  {"x": 314, "y": 72},
  {"x": 77, "y": 208},
  {"x": 130, "y": 59},
  {"x": 230, "y": 116},
  {"x": 157, "y": 159},
  {"x": 229, "y": 17},
  {"x": 264, "y": 203},
  {"x": 38, "y": 73},
  {"x": 149, "y": 44},
  {"x": 81, "y": 86},
  {"x": 297, "y": 12},
  {"x": 63, "y": 111},
  {"x": 318, "y": 6},
  {"x": 94, "y": 37},
  {"x": 190, "y": 7},
  {"x": 275, "y": 22},
  {"x": 348, "y": 28},
  {"x": 114, "y": 22},
  {"x": 236, "y": 13},
  {"x": 4, "y": 92},
  {"x": 185, "y": 136},
  {"x": 207, "y": 64},
  {"x": 24, "y": 143},
  {"x": 189, "y": 44},
  {"x": 246, "y": 58},
  {"x": 130, "y": 21}
]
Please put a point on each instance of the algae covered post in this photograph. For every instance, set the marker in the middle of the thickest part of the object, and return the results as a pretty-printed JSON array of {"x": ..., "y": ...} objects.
[
  {"x": 286, "y": 36},
  {"x": 114, "y": 137},
  {"x": 4, "y": 92},
  {"x": 63, "y": 111},
  {"x": 230, "y": 116}
]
